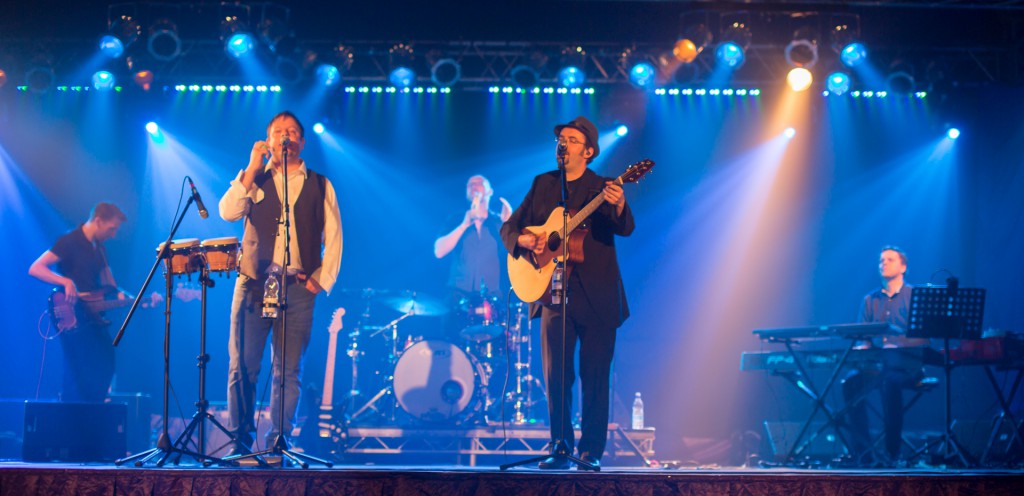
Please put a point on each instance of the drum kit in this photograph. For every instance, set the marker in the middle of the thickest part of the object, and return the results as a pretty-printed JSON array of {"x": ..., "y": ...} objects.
[
  {"x": 400, "y": 378},
  {"x": 458, "y": 380}
]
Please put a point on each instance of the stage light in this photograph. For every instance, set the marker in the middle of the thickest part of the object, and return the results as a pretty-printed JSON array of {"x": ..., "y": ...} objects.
[
  {"x": 571, "y": 62},
  {"x": 152, "y": 128},
  {"x": 642, "y": 75},
  {"x": 799, "y": 79},
  {"x": 40, "y": 77},
  {"x": 400, "y": 63},
  {"x": 523, "y": 76},
  {"x": 103, "y": 80},
  {"x": 274, "y": 32},
  {"x": 3, "y": 78},
  {"x": 695, "y": 38},
  {"x": 621, "y": 131},
  {"x": 953, "y": 133},
  {"x": 853, "y": 55},
  {"x": 789, "y": 132},
  {"x": 735, "y": 37},
  {"x": 402, "y": 77},
  {"x": 730, "y": 54},
  {"x": 803, "y": 50},
  {"x": 239, "y": 45},
  {"x": 111, "y": 46},
  {"x": 163, "y": 42},
  {"x": 318, "y": 128},
  {"x": 901, "y": 77},
  {"x": 445, "y": 72},
  {"x": 328, "y": 75},
  {"x": 571, "y": 77},
  {"x": 838, "y": 83}
]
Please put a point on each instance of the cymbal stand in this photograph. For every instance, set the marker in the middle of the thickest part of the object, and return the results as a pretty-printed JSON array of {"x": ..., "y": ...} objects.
[
  {"x": 522, "y": 398},
  {"x": 389, "y": 388}
]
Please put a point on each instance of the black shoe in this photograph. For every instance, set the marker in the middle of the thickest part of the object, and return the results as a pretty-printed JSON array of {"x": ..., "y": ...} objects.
[
  {"x": 554, "y": 463},
  {"x": 590, "y": 460}
]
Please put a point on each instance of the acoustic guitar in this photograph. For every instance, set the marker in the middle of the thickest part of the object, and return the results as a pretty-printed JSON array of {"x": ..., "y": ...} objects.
[{"x": 530, "y": 274}]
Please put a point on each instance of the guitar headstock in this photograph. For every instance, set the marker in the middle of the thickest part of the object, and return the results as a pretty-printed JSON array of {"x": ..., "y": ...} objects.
[
  {"x": 335, "y": 325},
  {"x": 637, "y": 171}
]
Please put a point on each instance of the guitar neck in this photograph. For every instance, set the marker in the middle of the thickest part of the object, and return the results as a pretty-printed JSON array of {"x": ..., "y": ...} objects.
[
  {"x": 332, "y": 347},
  {"x": 585, "y": 212},
  {"x": 104, "y": 305}
]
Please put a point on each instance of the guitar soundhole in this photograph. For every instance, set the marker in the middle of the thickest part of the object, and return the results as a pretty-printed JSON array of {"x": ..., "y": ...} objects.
[{"x": 554, "y": 241}]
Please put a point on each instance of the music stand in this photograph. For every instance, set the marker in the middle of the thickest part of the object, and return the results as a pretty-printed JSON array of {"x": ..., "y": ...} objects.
[{"x": 947, "y": 312}]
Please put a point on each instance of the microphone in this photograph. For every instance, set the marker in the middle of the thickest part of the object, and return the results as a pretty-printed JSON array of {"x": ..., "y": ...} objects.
[
  {"x": 562, "y": 148},
  {"x": 203, "y": 213},
  {"x": 286, "y": 141}
]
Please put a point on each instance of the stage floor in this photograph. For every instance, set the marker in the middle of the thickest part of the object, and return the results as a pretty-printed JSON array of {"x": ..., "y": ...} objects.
[{"x": 18, "y": 478}]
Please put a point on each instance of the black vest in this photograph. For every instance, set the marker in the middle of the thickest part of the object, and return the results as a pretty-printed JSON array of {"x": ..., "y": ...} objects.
[{"x": 264, "y": 217}]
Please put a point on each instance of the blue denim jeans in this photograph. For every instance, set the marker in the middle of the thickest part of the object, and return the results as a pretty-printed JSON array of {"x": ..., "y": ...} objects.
[{"x": 248, "y": 338}]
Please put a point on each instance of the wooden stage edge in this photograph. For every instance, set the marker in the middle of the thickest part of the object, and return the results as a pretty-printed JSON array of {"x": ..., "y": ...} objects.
[{"x": 21, "y": 479}]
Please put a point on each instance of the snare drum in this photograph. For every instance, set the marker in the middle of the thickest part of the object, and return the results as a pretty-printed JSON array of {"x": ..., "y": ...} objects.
[
  {"x": 435, "y": 381},
  {"x": 221, "y": 253},
  {"x": 183, "y": 259}
]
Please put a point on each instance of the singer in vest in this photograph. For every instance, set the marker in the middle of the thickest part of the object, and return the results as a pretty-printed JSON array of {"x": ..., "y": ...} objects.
[
  {"x": 596, "y": 297},
  {"x": 256, "y": 196}
]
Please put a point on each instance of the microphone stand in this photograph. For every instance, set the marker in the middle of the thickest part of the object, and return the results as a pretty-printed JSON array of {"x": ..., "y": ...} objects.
[
  {"x": 163, "y": 445},
  {"x": 559, "y": 448},
  {"x": 280, "y": 447}
]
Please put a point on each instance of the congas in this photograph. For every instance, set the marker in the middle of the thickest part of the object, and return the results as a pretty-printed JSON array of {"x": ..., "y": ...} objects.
[
  {"x": 221, "y": 253},
  {"x": 481, "y": 318},
  {"x": 436, "y": 382},
  {"x": 184, "y": 256}
]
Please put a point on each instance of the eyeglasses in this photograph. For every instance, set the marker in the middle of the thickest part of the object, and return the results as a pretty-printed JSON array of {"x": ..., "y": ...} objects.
[{"x": 572, "y": 139}]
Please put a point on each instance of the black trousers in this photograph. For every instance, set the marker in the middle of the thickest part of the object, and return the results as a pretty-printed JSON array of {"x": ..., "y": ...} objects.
[
  {"x": 597, "y": 348},
  {"x": 88, "y": 362},
  {"x": 890, "y": 382}
]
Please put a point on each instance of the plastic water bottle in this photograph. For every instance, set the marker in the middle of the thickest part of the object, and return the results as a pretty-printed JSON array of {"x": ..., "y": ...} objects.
[
  {"x": 271, "y": 293},
  {"x": 558, "y": 284},
  {"x": 638, "y": 412}
]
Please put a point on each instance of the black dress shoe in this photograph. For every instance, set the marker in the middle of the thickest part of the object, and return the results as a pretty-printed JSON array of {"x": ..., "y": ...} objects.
[
  {"x": 589, "y": 460},
  {"x": 554, "y": 463}
]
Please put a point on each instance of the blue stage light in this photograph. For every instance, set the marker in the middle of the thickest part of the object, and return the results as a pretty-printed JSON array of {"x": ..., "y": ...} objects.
[
  {"x": 642, "y": 75},
  {"x": 328, "y": 74},
  {"x": 730, "y": 54},
  {"x": 789, "y": 132},
  {"x": 239, "y": 44},
  {"x": 838, "y": 83},
  {"x": 111, "y": 46},
  {"x": 152, "y": 128},
  {"x": 571, "y": 76},
  {"x": 622, "y": 130},
  {"x": 853, "y": 54},
  {"x": 318, "y": 128},
  {"x": 103, "y": 81},
  {"x": 953, "y": 133},
  {"x": 402, "y": 77}
]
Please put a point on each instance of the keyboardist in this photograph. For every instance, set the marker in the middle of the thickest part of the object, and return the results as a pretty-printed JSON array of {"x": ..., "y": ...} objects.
[{"x": 890, "y": 304}]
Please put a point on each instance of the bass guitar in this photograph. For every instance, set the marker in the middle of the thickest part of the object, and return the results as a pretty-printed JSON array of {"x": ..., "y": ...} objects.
[
  {"x": 90, "y": 305},
  {"x": 530, "y": 274}
]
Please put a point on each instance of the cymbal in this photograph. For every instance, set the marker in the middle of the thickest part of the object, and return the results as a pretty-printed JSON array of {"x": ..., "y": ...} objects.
[{"x": 417, "y": 303}]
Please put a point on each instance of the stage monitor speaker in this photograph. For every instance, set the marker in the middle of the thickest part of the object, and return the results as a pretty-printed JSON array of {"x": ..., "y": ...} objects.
[
  {"x": 780, "y": 437},
  {"x": 140, "y": 418},
  {"x": 74, "y": 432}
]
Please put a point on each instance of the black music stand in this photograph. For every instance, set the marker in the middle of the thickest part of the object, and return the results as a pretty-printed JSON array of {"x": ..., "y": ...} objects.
[{"x": 947, "y": 312}]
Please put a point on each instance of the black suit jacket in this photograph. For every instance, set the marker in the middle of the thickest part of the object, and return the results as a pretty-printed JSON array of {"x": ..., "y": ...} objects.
[{"x": 599, "y": 274}]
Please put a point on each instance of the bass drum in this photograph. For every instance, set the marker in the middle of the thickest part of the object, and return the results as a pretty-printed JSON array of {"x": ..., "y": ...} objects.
[{"x": 436, "y": 382}]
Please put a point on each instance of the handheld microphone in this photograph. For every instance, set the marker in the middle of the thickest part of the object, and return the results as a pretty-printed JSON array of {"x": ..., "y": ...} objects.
[{"x": 203, "y": 213}]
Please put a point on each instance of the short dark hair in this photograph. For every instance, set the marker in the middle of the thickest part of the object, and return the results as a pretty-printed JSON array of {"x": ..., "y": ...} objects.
[
  {"x": 901, "y": 253},
  {"x": 282, "y": 115},
  {"x": 107, "y": 211}
]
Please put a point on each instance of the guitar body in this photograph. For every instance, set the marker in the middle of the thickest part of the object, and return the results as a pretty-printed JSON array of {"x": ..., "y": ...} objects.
[
  {"x": 322, "y": 434},
  {"x": 90, "y": 306},
  {"x": 530, "y": 274}
]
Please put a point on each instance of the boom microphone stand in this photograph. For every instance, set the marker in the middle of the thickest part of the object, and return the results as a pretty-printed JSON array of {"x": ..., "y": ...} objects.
[
  {"x": 559, "y": 448},
  {"x": 163, "y": 445},
  {"x": 280, "y": 447}
]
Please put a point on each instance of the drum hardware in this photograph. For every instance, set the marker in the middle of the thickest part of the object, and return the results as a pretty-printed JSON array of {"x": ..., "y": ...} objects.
[{"x": 389, "y": 381}]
